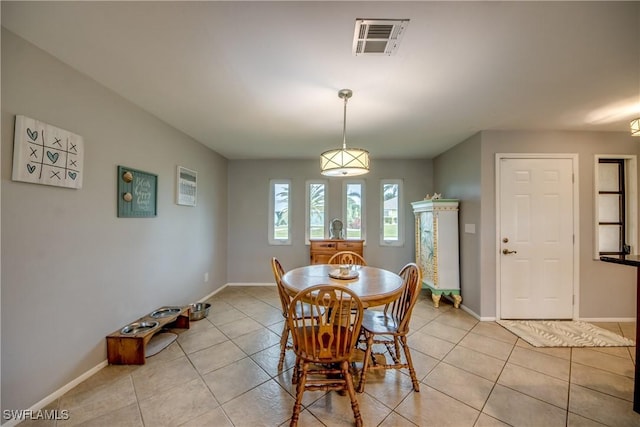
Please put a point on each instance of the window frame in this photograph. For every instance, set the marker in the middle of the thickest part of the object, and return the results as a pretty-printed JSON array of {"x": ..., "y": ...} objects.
[
  {"x": 631, "y": 201},
  {"x": 272, "y": 195},
  {"x": 363, "y": 207},
  {"x": 400, "y": 214},
  {"x": 308, "y": 185}
]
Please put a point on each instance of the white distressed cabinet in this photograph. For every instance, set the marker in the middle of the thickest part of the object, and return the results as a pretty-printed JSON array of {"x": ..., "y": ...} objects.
[{"x": 437, "y": 252}]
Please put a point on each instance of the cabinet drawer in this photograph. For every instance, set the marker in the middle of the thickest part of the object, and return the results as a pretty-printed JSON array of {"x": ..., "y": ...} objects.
[
  {"x": 350, "y": 246},
  {"x": 323, "y": 246}
]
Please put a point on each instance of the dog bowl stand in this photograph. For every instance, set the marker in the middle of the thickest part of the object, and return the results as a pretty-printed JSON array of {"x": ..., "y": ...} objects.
[{"x": 129, "y": 349}]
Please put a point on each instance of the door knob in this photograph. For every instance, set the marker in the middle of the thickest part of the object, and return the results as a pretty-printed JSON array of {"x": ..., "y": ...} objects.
[{"x": 507, "y": 252}]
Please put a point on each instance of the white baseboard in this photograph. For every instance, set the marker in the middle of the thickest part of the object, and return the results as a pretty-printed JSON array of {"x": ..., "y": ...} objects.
[
  {"x": 206, "y": 297},
  {"x": 58, "y": 393},
  {"x": 475, "y": 315}
]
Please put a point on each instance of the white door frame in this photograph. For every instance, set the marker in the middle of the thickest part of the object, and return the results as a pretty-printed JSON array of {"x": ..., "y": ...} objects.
[{"x": 576, "y": 222}]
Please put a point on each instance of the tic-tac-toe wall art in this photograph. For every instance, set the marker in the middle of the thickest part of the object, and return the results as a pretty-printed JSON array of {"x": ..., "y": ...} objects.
[{"x": 45, "y": 154}]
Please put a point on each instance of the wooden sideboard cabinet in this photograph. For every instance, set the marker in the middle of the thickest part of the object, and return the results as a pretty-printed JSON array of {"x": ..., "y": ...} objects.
[
  {"x": 321, "y": 250},
  {"x": 437, "y": 252}
]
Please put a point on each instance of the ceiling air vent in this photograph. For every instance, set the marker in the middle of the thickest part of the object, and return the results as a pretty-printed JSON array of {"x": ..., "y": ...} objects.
[{"x": 378, "y": 36}]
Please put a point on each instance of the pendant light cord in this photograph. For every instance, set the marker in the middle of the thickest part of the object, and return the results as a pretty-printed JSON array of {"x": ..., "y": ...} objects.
[{"x": 344, "y": 126}]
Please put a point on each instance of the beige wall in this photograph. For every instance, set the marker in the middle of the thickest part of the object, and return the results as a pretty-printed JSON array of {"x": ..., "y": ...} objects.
[
  {"x": 457, "y": 175},
  {"x": 249, "y": 250},
  {"x": 72, "y": 272}
]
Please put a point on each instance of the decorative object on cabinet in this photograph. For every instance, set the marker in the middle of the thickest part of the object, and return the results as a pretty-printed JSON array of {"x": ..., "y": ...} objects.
[
  {"x": 437, "y": 247},
  {"x": 321, "y": 250},
  {"x": 335, "y": 230},
  {"x": 45, "y": 154},
  {"x": 137, "y": 193}
]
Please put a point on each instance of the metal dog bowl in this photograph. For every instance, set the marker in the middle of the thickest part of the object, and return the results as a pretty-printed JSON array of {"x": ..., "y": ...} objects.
[
  {"x": 199, "y": 310},
  {"x": 137, "y": 327},
  {"x": 165, "y": 312}
]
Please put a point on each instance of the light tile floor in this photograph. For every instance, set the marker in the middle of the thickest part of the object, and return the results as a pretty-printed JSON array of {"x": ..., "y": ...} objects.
[{"x": 222, "y": 372}]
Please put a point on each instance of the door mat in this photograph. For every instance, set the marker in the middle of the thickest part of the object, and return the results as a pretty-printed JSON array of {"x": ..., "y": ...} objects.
[
  {"x": 159, "y": 342},
  {"x": 564, "y": 333}
]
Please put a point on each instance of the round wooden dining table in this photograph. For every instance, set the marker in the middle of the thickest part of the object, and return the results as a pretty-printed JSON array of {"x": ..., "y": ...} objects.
[{"x": 374, "y": 286}]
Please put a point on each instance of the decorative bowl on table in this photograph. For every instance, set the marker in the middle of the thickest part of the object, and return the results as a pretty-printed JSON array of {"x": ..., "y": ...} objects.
[
  {"x": 199, "y": 310},
  {"x": 343, "y": 273}
]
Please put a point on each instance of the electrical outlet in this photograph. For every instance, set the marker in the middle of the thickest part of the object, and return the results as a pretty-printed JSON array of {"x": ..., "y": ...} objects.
[{"x": 206, "y": 276}]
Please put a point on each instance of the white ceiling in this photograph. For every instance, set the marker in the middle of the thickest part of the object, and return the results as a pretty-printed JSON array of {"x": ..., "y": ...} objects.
[{"x": 260, "y": 79}]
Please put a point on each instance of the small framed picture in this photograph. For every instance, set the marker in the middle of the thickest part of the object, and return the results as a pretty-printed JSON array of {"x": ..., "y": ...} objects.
[{"x": 186, "y": 186}]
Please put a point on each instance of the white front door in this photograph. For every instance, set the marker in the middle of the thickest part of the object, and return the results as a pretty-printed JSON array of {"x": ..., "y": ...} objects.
[{"x": 536, "y": 238}]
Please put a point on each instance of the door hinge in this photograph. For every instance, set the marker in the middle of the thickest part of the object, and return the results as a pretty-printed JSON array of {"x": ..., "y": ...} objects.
[{"x": 573, "y": 300}]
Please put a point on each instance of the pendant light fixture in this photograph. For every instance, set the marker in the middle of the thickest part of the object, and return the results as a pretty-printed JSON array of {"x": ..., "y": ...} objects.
[{"x": 344, "y": 161}]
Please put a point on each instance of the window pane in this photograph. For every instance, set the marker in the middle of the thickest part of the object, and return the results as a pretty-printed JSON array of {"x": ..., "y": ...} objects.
[
  {"x": 609, "y": 208},
  {"x": 281, "y": 211},
  {"x": 390, "y": 212},
  {"x": 609, "y": 238},
  {"x": 316, "y": 210},
  {"x": 608, "y": 177},
  {"x": 354, "y": 211}
]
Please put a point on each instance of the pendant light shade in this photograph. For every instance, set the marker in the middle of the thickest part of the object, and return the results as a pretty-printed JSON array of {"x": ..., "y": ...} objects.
[
  {"x": 344, "y": 161},
  {"x": 635, "y": 127}
]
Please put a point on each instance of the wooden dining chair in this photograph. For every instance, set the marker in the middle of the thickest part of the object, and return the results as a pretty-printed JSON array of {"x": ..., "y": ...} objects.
[
  {"x": 285, "y": 299},
  {"x": 390, "y": 328},
  {"x": 325, "y": 341},
  {"x": 347, "y": 257}
]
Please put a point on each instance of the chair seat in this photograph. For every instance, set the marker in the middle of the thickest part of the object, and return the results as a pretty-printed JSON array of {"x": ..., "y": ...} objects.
[{"x": 378, "y": 322}]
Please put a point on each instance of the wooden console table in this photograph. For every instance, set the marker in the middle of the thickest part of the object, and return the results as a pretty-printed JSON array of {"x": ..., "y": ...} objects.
[
  {"x": 634, "y": 261},
  {"x": 321, "y": 250},
  {"x": 129, "y": 348}
]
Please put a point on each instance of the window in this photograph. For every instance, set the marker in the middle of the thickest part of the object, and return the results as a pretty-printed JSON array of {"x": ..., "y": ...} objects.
[
  {"x": 353, "y": 199},
  {"x": 615, "y": 205},
  {"x": 280, "y": 212},
  {"x": 316, "y": 209},
  {"x": 391, "y": 227}
]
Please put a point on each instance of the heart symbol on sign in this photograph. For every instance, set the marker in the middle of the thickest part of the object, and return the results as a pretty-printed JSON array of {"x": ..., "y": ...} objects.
[
  {"x": 73, "y": 175},
  {"x": 30, "y": 168},
  {"x": 33, "y": 134},
  {"x": 52, "y": 156}
]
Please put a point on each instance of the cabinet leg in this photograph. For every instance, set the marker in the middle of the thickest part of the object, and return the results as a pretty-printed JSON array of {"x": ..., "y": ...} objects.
[
  {"x": 436, "y": 300},
  {"x": 457, "y": 299}
]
